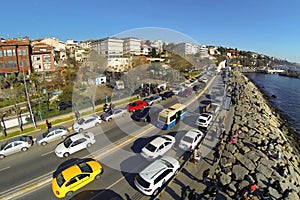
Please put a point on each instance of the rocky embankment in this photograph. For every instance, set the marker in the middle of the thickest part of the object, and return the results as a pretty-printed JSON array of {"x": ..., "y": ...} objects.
[{"x": 261, "y": 151}]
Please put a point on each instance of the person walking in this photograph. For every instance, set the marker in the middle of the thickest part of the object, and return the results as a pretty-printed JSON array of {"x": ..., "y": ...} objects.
[
  {"x": 216, "y": 156},
  {"x": 205, "y": 175},
  {"x": 192, "y": 195},
  {"x": 185, "y": 192},
  {"x": 48, "y": 124}
]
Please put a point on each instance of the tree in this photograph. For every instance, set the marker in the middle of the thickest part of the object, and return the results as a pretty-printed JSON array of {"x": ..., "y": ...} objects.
[{"x": 153, "y": 53}]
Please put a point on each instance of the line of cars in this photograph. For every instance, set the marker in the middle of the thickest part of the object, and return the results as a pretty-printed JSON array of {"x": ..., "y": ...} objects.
[{"x": 152, "y": 178}]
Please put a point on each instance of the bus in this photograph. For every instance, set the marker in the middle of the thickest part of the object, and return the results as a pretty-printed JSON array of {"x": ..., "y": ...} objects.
[{"x": 170, "y": 116}]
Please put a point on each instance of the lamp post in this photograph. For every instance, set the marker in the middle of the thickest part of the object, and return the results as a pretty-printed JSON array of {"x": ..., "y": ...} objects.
[{"x": 26, "y": 92}]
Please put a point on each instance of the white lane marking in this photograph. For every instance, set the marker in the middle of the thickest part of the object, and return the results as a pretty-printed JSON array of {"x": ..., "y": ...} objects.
[
  {"x": 47, "y": 153},
  {"x": 4, "y": 169}
]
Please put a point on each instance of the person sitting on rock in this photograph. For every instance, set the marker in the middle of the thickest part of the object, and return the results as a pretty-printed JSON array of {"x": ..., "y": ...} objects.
[{"x": 282, "y": 171}]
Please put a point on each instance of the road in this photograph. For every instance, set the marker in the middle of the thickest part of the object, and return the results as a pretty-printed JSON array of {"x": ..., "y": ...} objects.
[{"x": 117, "y": 148}]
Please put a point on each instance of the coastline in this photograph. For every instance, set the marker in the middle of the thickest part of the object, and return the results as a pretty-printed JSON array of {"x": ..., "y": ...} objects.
[
  {"x": 262, "y": 148},
  {"x": 285, "y": 125}
]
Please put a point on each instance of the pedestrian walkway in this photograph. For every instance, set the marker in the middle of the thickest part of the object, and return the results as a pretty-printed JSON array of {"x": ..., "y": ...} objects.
[{"x": 192, "y": 174}]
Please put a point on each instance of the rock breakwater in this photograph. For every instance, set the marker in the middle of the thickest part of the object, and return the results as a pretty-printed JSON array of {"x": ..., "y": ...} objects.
[{"x": 261, "y": 153}]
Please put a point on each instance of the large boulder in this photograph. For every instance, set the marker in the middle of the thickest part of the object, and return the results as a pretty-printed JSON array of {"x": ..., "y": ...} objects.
[{"x": 239, "y": 172}]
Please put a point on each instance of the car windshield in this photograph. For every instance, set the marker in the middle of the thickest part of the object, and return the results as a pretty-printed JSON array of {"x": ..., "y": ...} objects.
[
  {"x": 81, "y": 121},
  {"x": 60, "y": 179},
  {"x": 202, "y": 120},
  {"x": 151, "y": 147},
  {"x": 3, "y": 145},
  {"x": 67, "y": 142},
  {"x": 187, "y": 139},
  {"x": 162, "y": 119},
  {"x": 45, "y": 134},
  {"x": 86, "y": 135},
  {"x": 167, "y": 163},
  {"x": 142, "y": 182},
  {"x": 166, "y": 138},
  {"x": 85, "y": 168}
]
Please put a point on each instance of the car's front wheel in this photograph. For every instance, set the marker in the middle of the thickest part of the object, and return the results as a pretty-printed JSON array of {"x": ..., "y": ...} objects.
[
  {"x": 69, "y": 194},
  {"x": 66, "y": 155},
  {"x": 98, "y": 177},
  {"x": 156, "y": 192},
  {"x": 89, "y": 145},
  {"x": 80, "y": 130},
  {"x": 97, "y": 124},
  {"x": 24, "y": 149},
  {"x": 2, "y": 156},
  {"x": 43, "y": 143}
]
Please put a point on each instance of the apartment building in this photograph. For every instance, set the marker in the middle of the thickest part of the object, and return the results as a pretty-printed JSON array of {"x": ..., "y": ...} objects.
[
  {"x": 187, "y": 48},
  {"x": 42, "y": 57},
  {"x": 132, "y": 46},
  {"x": 109, "y": 47},
  {"x": 15, "y": 56}
]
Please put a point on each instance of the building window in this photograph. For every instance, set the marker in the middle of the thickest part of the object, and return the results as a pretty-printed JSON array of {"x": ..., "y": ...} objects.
[
  {"x": 4, "y": 52},
  {"x": 19, "y": 52},
  {"x": 21, "y": 63},
  {"x": 25, "y": 63},
  {"x": 0, "y": 53},
  {"x": 1, "y": 65},
  {"x": 46, "y": 58},
  {"x": 10, "y": 64},
  {"x": 24, "y": 52},
  {"x": 9, "y": 52},
  {"x": 14, "y": 52}
]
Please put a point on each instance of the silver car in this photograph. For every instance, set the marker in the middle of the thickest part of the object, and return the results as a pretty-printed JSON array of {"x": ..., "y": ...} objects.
[
  {"x": 113, "y": 113},
  {"x": 14, "y": 145},
  {"x": 86, "y": 123},
  {"x": 54, "y": 133}
]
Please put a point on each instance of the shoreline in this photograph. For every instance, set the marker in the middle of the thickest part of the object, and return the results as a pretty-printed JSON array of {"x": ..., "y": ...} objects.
[
  {"x": 285, "y": 125},
  {"x": 261, "y": 152}
]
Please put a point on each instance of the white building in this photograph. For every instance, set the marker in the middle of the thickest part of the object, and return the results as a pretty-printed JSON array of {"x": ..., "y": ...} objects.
[
  {"x": 132, "y": 46},
  {"x": 157, "y": 44},
  {"x": 203, "y": 50},
  {"x": 109, "y": 47},
  {"x": 187, "y": 48}
]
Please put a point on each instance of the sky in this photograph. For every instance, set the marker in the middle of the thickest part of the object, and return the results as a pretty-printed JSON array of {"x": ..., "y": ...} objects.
[{"x": 270, "y": 27}]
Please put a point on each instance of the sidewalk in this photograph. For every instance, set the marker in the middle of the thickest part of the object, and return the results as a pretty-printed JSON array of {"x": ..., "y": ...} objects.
[{"x": 191, "y": 174}]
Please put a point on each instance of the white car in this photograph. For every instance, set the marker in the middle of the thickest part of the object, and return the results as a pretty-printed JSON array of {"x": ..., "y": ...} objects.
[
  {"x": 74, "y": 143},
  {"x": 158, "y": 147},
  {"x": 190, "y": 140},
  {"x": 151, "y": 180},
  {"x": 54, "y": 133},
  {"x": 204, "y": 120},
  {"x": 113, "y": 113},
  {"x": 178, "y": 90},
  {"x": 86, "y": 123},
  {"x": 153, "y": 99},
  {"x": 14, "y": 145},
  {"x": 188, "y": 84}
]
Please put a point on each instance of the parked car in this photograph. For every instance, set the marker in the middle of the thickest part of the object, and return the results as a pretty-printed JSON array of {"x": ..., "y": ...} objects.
[
  {"x": 204, "y": 80},
  {"x": 158, "y": 147},
  {"x": 190, "y": 140},
  {"x": 204, "y": 120},
  {"x": 14, "y": 145},
  {"x": 74, "y": 174},
  {"x": 187, "y": 92},
  {"x": 152, "y": 100},
  {"x": 166, "y": 95},
  {"x": 74, "y": 143},
  {"x": 113, "y": 113},
  {"x": 151, "y": 179},
  {"x": 86, "y": 123},
  {"x": 52, "y": 134},
  {"x": 136, "y": 105},
  {"x": 64, "y": 105},
  {"x": 142, "y": 115}
]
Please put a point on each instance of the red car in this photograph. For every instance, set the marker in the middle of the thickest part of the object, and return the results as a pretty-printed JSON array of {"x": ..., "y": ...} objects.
[{"x": 136, "y": 105}]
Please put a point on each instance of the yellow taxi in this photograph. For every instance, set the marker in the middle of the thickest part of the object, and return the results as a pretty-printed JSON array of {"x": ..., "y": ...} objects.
[{"x": 73, "y": 174}]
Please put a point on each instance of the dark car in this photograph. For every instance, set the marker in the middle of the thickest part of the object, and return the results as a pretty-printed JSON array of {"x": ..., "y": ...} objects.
[
  {"x": 63, "y": 105},
  {"x": 196, "y": 88},
  {"x": 166, "y": 95},
  {"x": 141, "y": 115}
]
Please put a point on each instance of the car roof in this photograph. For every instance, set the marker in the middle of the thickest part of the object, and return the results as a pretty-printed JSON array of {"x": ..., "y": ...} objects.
[
  {"x": 16, "y": 138},
  {"x": 158, "y": 141},
  {"x": 56, "y": 127},
  {"x": 192, "y": 133},
  {"x": 69, "y": 163},
  {"x": 154, "y": 168}
]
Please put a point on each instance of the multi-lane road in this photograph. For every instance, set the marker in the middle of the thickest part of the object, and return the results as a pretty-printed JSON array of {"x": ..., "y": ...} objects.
[{"x": 27, "y": 175}]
